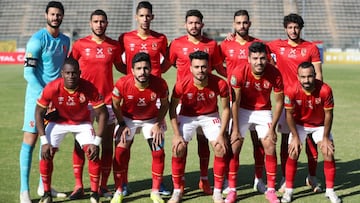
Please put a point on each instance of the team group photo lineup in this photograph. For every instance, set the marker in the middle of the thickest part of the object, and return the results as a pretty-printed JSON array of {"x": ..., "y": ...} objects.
[{"x": 271, "y": 92}]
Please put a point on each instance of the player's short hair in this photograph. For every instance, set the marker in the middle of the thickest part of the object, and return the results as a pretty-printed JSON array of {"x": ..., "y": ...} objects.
[
  {"x": 242, "y": 13},
  {"x": 257, "y": 47},
  {"x": 98, "y": 12},
  {"x": 144, "y": 4},
  {"x": 194, "y": 12},
  {"x": 55, "y": 4},
  {"x": 141, "y": 56},
  {"x": 293, "y": 18},
  {"x": 199, "y": 55},
  {"x": 305, "y": 65},
  {"x": 72, "y": 61}
]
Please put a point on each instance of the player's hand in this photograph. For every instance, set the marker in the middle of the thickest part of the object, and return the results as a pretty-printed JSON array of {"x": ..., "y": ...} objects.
[
  {"x": 271, "y": 134},
  {"x": 230, "y": 36},
  {"x": 222, "y": 141},
  {"x": 157, "y": 135},
  {"x": 235, "y": 136},
  {"x": 295, "y": 146},
  {"x": 123, "y": 132},
  {"x": 46, "y": 152},
  {"x": 178, "y": 146},
  {"x": 93, "y": 152},
  {"x": 327, "y": 146}
]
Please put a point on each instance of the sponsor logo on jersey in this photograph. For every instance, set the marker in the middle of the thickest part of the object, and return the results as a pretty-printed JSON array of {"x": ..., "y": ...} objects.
[
  {"x": 141, "y": 102},
  {"x": 70, "y": 101},
  {"x": 99, "y": 53},
  {"x": 292, "y": 53},
  {"x": 200, "y": 96},
  {"x": 242, "y": 54}
]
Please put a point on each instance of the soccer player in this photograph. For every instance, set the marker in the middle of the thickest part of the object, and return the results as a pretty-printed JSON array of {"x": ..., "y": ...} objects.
[
  {"x": 179, "y": 51},
  {"x": 253, "y": 84},
  {"x": 288, "y": 55},
  {"x": 235, "y": 53},
  {"x": 309, "y": 110},
  {"x": 134, "y": 102},
  {"x": 143, "y": 39},
  {"x": 97, "y": 54},
  {"x": 45, "y": 54},
  {"x": 198, "y": 94},
  {"x": 70, "y": 96}
]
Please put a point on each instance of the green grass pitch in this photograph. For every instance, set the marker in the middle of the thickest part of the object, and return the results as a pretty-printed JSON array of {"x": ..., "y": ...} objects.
[{"x": 344, "y": 79}]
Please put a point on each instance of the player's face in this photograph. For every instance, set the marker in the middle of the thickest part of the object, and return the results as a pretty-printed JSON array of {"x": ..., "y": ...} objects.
[
  {"x": 199, "y": 69},
  {"x": 258, "y": 62},
  {"x": 242, "y": 25},
  {"x": 71, "y": 76},
  {"x": 306, "y": 77},
  {"x": 193, "y": 26},
  {"x": 144, "y": 17},
  {"x": 98, "y": 25},
  {"x": 293, "y": 31},
  {"x": 141, "y": 71},
  {"x": 54, "y": 17}
]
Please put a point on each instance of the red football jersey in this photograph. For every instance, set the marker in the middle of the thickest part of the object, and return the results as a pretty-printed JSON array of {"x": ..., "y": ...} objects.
[
  {"x": 96, "y": 61},
  {"x": 180, "y": 49},
  {"x": 155, "y": 45},
  {"x": 72, "y": 106},
  {"x": 256, "y": 91},
  {"x": 197, "y": 101},
  {"x": 236, "y": 54},
  {"x": 288, "y": 57},
  {"x": 140, "y": 104},
  {"x": 309, "y": 107}
]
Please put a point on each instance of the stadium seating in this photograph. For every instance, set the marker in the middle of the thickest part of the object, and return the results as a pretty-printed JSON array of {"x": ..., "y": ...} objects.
[{"x": 335, "y": 22}]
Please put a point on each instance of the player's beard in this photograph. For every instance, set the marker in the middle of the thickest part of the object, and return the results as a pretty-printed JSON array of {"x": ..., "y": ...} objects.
[
  {"x": 242, "y": 33},
  {"x": 197, "y": 34},
  {"x": 308, "y": 86},
  {"x": 294, "y": 39},
  {"x": 146, "y": 80},
  {"x": 98, "y": 34},
  {"x": 54, "y": 26}
]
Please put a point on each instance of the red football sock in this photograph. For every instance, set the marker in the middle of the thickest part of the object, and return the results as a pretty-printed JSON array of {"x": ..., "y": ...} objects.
[
  {"x": 219, "y": 172},
  {"x": 78, "y": 165},
  {"x": 291, "y": 166},
  {"x": 46, "y": 169},
  {"x": 259, "y": 155},
  {"x": 312, "y": 155},
  {"x": 270, "y": 165},
  {"x": 94, "y": 171},
  {"x": 120, "y": 164},
  {"x": 284, "y": 152},
  {"x": 233, "y": 170},
  {"x": 204, "y": 156},
  {"x": 106, "y": 163},
  {"x": 329, "y": 171},
  {"x": 178, "y": 169},
  {"x": 158, "y": 162}
]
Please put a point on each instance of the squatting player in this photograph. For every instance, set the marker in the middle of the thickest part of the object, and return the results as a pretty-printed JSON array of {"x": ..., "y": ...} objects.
[
  {"x": 288, "y": 54},
  {"x": 309, "y": 110},
  {"x": 198, "y": 94},
  {"x": 253, "y": 84},
  {"x": 134, "y": 102},
  {"x": 97, "y": 54},
  {"x": 70, "y": 96},
  {"x": 45, "y": 54},
  {"x": 179, "y": 51}
]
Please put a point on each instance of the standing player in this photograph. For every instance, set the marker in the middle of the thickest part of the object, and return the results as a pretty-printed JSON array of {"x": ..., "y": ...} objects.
[
  {"x": 134, "y": 102},
  {"x": 198, "y": 94},
  {"x": 289, "y": 54},
  {"x": 253, "y": 84},
  {"x": 70, "y": 96},
  {"x": 45, "y": 54},
  {"x": 96, "y": 54},
  {"x": 235, "y": 53},
  {"x": 179, "y": 52},
  {"x": 309, "y": 110},
  {"x": 143, "y": 39}
]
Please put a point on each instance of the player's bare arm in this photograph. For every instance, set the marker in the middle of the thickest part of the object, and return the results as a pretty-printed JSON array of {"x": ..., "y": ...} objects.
[
  {"x": 157, "y": 133},
  {"x": 123, "y": 130},
  {"x": 120, "y": 67},
  {"x": 295, "y": 144},
  {"x": 318, "y": 70},
  {"x": 279, "y": 104},
  {"x": 46, "y": 149},
  {"x": 327, "y": 145},
  {"x": 178, "y": 141},
  {"x": 235, "y": 132},
  {"x": 225, "y": 117}
]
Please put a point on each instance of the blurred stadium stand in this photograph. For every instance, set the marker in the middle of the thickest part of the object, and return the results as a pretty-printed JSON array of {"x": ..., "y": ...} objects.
[{"x": 335, "y": 22}]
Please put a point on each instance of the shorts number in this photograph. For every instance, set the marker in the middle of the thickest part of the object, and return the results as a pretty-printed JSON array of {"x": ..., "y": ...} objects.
[{"x": 216, "y": 120}]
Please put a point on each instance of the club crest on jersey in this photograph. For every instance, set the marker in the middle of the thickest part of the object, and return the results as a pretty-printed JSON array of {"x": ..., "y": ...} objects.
[
  {"x": 211, "y": 94},
  {"x": 109, "y": 50},
  {"x": 317, "y": 100},
  {"x": 266, "y": 84},
  {"x": 303, "y": 52},
  {"x": 153, "y": 96},
  {"x": 82, "y": 98},
  {"x": 154, "y": 46},
  {"x": 206, "y": 49}
]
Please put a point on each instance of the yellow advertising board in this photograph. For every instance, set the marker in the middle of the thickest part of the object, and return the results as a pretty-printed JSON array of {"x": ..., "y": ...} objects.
[
  {"x": 8, "y": 46},
  {"x": 342, "y": 57}
]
